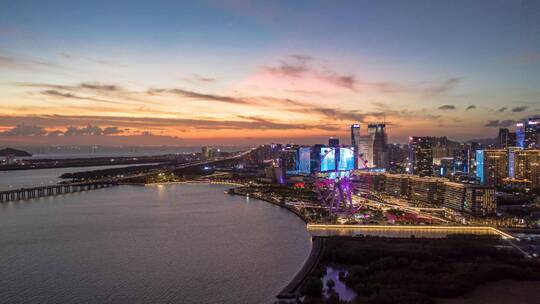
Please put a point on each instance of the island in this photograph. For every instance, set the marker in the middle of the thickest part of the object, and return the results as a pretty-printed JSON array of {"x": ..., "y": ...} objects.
[{"x": 13, "y": 152}]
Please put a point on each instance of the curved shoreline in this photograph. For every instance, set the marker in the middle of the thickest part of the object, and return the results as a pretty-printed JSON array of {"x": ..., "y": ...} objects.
[{"x": 234, "y": 191}]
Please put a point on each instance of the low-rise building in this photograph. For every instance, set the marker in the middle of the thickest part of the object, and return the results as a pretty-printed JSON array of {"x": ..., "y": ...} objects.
[{"x": 397, "y": 185}]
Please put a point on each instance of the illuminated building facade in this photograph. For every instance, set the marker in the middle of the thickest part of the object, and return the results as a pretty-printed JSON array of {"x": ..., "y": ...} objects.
[
  {"x": 532, "y": 129},
  {"x": 365, "y": 150},
  {"x": 525, "y": 165},
  {"x": 454, "y": 196},
  {"x": 336, "y": 159},
  {"x": 420, "y": 156},
  {"x": 473, "y": 199},
  {"x": 426, "y": 189},
  {"x": 397, "y": 185},
  {"x": 380, "y": 141},
  {"x": 304, "y": 160},
  {"x": 492, "y": 166},
  {"x": 355, "y": 141},
  {"x": 480, "y": 201},
  {"x": 520, "y": 135}
]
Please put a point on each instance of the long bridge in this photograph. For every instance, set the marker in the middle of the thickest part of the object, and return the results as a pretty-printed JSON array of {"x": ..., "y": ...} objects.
[
  {"x": 43, "y": 191},
  {"x": 52, "y": 190}
]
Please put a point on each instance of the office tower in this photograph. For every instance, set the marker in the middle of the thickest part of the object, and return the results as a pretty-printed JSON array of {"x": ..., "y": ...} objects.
[
  {"x": 420, "y": 156},
  {"x": 502, "y": 142},
  {"x": 492, "y": 166},
  {"x": 512, "y": 142},
  {"x": 355, "y": 140},
  {"x": 520, "y": 135},
  {"x": 461, "y": 159},
  {"x": 333, "y": 142},
  {"x": 532, "y": 128},
  {"x": 380, "y": 145},
  {"x": 365, "y": 151}
]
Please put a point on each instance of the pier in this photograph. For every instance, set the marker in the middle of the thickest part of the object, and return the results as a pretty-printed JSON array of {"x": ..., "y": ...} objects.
[{"x": 44, "y": 191}]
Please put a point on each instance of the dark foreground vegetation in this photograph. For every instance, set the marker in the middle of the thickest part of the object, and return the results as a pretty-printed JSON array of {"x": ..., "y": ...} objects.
[{"x": 416, "y": 271}]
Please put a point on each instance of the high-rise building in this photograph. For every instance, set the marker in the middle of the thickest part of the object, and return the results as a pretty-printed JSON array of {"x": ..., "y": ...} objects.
[
  {"x": 532, "y": 128},
  {"x": 520, "y": 135},
  {"x": 492, "y": 166},
  {"x": 502, "y": 142},
  {"x": 355, "y": 141},
  {"x": 525, "y": 165},
  {"x": 420, "y": 156},
  {"x": 380, "y": 145},
  {"x": 365, "y": 151}
]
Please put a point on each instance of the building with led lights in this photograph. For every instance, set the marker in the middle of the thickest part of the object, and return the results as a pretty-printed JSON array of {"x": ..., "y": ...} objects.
[
  {"x": 355, "y": 141},
  {"x": 420, "y": 156},
  {"x": 492, "y": 166}
]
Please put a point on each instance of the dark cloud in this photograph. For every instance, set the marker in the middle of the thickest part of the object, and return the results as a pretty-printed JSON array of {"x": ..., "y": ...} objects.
[
  {"x": 100, "y": 87},
  {"x": 27, "y": 63},
  {"x": 502, "y": 109},
  {"x": 471, "y": 107},
  {"x": 296, "y": 68},
  {"x": 55, "y": 133},
  {"x": 298, "y": 65},
  {"x": 198, "y": 79},
  {"x": 88, "y": 130},
  {"x": 246, "y": 122},
  {"x": 112, "y": 130},
  {"x": 500, "y": 123},
  {"x": 447, "y": 107},
  {"x": 344, "y": 81},
  {"x": 92, "y": 60},
  {"x": 519, "y": 109},
  {"x": 58, "y": 94},
  {"x": 442, "y": 88},
  {"x": 198, "y": 96},
  {"x": 25, "y": 130}
]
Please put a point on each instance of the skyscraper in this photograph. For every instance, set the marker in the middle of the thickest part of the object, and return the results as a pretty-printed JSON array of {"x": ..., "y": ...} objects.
[
  {"x": 380, "y": 149},
  {"x": 492, "y": 166},
  {"x": 520, "y": 135},
  {"x": 504, "y": 135},
  {"x": 532, "y": 128},
  {"x": 355, "y": 140},
  {"x": 365, "y": 151},
  {"x": 420, "y": 156}
]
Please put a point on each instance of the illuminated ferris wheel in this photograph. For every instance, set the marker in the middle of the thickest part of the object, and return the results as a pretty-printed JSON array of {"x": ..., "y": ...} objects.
[{"x": 335, "y": 190}]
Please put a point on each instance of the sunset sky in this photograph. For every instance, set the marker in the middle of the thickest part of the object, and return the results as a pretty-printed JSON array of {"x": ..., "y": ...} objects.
[{"x": 242, "y": 72}]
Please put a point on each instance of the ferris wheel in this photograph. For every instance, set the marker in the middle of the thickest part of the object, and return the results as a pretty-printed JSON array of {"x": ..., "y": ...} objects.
[{"x": 336, "y": 191}]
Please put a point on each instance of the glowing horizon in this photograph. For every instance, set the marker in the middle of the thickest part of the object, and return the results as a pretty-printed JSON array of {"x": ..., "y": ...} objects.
[{"x": 234, "y": 72}]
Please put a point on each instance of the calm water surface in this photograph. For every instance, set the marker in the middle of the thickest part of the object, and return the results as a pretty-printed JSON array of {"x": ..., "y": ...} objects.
[
  {"x": 16, "y": 179},
  {"x": 157, "y": 244}
]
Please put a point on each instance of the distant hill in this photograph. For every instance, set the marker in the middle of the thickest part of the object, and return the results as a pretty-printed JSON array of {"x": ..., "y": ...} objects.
[
  {"x": 13, "y": 152},
  {"x": 484, "y": 141}
]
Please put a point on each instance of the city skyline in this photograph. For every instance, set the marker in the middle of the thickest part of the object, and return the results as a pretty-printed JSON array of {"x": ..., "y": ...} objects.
[{"x": 244, "y": 73}]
